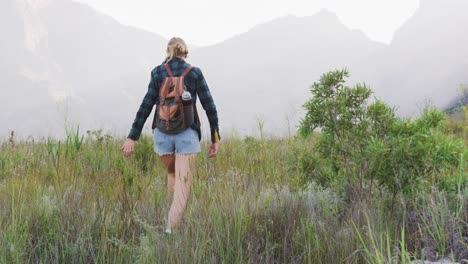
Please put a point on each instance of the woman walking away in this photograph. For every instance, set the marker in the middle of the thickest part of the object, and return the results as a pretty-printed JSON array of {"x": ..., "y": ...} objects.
[{"x": 174, "y": 87}]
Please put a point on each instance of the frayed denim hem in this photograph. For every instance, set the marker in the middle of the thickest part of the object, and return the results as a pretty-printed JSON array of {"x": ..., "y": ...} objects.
[
  {"x": 165, "y": 154},
  {"x": 183, "y": 154},
  {"x": 177, "y": 154}
]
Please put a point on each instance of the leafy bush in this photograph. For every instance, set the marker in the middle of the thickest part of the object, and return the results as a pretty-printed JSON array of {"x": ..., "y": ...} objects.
[{"x": 366, "y": 146}]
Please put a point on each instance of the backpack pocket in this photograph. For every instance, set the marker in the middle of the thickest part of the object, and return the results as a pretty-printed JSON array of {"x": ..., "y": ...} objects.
[
  {"x": 169, "y": 120},
  {"x": 168, "y": 112},
  {"x": 189, "y": 115}
]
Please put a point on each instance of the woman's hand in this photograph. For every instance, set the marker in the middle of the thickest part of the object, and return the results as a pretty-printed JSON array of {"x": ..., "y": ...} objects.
[
  {"x": 213, "y": 150},
  {"x": 128, "y": 147}
]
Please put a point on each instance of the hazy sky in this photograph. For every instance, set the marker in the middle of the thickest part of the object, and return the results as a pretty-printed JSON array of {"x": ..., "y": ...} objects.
[{"x": 205, "y": 22}]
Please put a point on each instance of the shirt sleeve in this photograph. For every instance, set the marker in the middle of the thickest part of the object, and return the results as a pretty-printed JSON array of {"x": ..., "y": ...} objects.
[
  {"x": 208, "y": 104},
  {"x": 145, "y": 109}
]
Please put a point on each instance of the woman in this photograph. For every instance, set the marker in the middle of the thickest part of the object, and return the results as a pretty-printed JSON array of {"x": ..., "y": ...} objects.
[{"x": 177, "y": 151}]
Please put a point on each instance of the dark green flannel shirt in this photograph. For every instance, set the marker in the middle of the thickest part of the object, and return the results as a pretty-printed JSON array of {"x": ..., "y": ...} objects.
[{"x": 196, "y": 85}]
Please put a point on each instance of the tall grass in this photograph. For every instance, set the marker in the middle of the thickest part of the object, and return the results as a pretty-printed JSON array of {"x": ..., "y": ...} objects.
[{"x": 79, "y": 201}]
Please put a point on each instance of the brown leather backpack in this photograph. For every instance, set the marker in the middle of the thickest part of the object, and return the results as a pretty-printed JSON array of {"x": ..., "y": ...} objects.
[{"x": 172, "y": 114}]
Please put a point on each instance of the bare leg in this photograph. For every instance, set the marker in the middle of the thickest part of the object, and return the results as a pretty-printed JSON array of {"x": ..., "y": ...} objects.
[
  {"x": 169, "y": 162},
  {"x": 184, "y": 167}
]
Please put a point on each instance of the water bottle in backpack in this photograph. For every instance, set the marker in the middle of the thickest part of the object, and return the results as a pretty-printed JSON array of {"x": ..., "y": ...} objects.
[{"x": 188, "y": 107}]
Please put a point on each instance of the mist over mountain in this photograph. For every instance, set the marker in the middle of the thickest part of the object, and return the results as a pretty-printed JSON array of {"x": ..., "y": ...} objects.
[
  {"x": 62, "y": 59},
  {"x": 266, "y": 73},
  {"x": 428, "y": 57},
  {"x": 21, "y": 96},
  {"x": 59, "y": 58}
]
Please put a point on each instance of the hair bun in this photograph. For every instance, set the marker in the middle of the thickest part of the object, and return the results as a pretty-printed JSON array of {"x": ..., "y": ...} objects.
[{"x": 176, "y": 48}]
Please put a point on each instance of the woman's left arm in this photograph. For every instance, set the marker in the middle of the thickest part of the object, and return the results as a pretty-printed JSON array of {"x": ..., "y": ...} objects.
[
  {"x": 145, "y": 109},
  {"x": 143, "y": 112}
]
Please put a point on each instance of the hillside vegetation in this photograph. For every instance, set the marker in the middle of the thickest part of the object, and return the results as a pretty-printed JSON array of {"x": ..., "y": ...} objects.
[{"x": 373, "y": 189}]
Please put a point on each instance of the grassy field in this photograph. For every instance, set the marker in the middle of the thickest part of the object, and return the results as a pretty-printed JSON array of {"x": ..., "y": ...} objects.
[{"x": 79, "y": 201}]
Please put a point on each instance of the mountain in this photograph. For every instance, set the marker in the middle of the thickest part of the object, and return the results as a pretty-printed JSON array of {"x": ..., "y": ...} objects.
[
  {"x": 428, "y": 57},
  {"x": 265, "y": 73},
  {"x": 62, "y": 58},
  {"x": 267, "y": 70},
  {"x": 14, "y": 58}
]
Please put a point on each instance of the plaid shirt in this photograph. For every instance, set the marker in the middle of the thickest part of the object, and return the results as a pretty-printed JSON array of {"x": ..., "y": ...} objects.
[{"x": 196, "y": 85}]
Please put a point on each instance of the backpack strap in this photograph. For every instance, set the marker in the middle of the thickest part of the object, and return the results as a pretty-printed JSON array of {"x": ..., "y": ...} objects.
[
  {"x": 189, "y": 68},
  {"x": 163, "y": 91},
  {"x": 169, "y": 72},
  {"x": 168, "y": 69}
]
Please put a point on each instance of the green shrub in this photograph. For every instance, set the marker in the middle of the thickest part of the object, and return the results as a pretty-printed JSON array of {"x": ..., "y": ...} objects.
[{"x": 367, "y": 145}]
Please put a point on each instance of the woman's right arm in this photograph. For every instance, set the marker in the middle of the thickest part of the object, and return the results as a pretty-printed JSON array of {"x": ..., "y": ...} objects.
[
  {"x": 143, "y": 112},
  {"x": 210, "y": 108}
]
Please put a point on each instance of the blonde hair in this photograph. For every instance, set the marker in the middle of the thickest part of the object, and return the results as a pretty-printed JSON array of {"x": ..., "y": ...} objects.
[{"x": 176, "y": 48}]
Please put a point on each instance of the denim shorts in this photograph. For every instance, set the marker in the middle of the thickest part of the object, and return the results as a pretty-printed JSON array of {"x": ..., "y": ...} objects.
[{"x": 185, "y": 142}]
